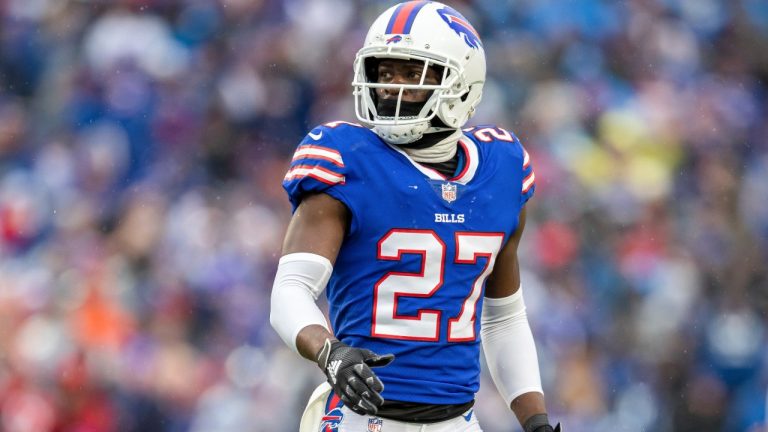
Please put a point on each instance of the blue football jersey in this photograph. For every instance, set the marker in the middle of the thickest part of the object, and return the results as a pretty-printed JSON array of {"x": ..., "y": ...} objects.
[{"x": 410, "y": 275}]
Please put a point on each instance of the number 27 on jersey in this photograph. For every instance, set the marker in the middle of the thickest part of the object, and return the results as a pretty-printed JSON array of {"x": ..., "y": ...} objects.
[{"x": 425, "y": 326}]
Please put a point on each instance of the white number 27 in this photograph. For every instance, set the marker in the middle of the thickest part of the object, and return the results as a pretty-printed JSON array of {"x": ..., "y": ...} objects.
[{"x": 425, "y": 325}]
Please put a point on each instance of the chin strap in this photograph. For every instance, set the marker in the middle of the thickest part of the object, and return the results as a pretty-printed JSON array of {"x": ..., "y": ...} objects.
[{"x": 441, "y": 151}]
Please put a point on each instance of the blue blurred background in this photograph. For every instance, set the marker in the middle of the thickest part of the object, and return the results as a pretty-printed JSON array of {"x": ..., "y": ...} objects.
[{"x": 142, "y": 146}]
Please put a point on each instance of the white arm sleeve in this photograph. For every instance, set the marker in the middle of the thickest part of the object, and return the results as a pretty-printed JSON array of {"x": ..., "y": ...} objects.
[
  {"x": 300, "y": 279},
  {"x": 508, "y": 346}
]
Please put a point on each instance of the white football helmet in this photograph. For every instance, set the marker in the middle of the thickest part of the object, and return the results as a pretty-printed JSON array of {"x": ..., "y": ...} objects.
[{"x": 437, "y": 35}]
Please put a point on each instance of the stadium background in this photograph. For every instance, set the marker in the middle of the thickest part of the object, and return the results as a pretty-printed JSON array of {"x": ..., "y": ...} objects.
[{"x": 142, "y": 145}]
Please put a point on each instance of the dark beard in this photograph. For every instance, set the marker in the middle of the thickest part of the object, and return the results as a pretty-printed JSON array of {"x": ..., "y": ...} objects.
[{"x": 387, "y": 107}]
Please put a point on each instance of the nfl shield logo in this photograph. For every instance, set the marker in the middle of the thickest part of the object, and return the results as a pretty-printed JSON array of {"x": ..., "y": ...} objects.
[
  {"x": 449, "y": 192},
  {"x": 374, "y": 424}
]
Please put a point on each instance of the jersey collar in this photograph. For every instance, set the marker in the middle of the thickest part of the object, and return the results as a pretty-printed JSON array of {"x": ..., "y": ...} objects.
[{"x": 467, "y": 173}]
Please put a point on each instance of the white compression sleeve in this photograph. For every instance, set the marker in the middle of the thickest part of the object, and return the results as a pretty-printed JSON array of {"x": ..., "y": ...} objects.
[
  {"x": 300, "y": 279},
  {"x": 509, "y": 347}
]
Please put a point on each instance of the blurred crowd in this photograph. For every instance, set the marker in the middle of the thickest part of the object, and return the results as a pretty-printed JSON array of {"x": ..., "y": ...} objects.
[{"x": 142, "y": 147}]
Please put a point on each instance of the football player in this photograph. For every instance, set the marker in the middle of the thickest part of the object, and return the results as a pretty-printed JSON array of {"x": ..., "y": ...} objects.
[{"x": 411, "y": 225}]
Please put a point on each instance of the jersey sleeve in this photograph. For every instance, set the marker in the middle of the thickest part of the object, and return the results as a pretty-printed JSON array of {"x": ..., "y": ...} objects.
[
  {"x": 317, "y": 166},
  {"x": 529, "y": 178}
]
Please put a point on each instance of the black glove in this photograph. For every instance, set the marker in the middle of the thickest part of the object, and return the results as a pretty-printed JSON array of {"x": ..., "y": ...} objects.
[
  {"x": 548, "y": 428},
  {"x": 540, "y": 423},
  {"x": 349, "y": 373}
]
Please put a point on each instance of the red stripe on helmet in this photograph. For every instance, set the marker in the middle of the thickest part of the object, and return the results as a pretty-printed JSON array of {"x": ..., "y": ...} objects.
[
  {"x": 402, "y": 18},
  {"x": 465, "y": 24}
]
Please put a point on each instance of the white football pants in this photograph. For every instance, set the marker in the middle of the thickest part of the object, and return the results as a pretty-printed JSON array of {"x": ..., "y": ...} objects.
[{"x": 320, "y": 416}]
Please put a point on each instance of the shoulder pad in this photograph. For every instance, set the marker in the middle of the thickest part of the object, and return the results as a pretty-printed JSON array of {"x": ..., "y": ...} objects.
[
  {"x": 493, "y": 134},
  {"x": 317, "y": 164}
]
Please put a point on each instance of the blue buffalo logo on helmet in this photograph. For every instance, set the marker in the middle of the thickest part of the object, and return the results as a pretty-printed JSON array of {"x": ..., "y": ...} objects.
[
  {"x": 394, "y": 39},
  {"x": 461, "y": 26}
]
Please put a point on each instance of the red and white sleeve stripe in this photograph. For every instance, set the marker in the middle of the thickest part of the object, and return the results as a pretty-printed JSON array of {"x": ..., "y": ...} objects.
[
  {"x": 528, "y": 182},
  {"x": 526, "y": 159},
  {"x": 318, "y": 152},
  {"x": 316, "y": 172}
]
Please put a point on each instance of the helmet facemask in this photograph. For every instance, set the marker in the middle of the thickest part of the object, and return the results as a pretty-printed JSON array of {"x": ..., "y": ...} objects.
[{"x": 398, "y": 121}]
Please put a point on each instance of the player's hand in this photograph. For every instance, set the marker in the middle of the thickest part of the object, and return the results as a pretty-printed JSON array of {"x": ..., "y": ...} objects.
[{"x": 349, "y": 372}]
